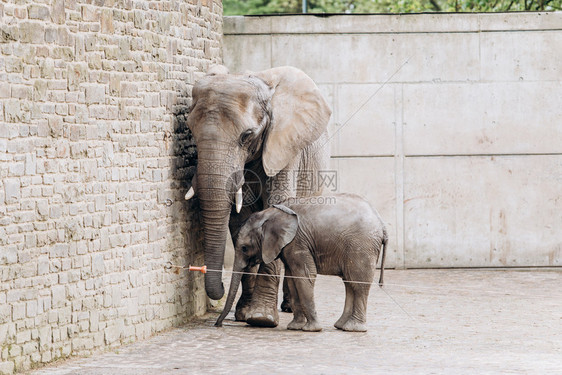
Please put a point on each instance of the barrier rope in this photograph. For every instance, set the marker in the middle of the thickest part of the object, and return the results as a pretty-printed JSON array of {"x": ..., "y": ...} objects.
[{"x": 204, "y": 269}]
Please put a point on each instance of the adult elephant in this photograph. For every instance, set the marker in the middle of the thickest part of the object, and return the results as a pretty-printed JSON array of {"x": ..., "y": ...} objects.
[{"x": 261, "y": 137}]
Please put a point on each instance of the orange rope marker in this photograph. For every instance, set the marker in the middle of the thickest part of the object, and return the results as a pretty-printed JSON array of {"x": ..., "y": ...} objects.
[{"x": 202, "y": 269}]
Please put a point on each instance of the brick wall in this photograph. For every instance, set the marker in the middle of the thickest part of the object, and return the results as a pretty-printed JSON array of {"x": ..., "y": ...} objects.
[{"x": 94, "y": 161}]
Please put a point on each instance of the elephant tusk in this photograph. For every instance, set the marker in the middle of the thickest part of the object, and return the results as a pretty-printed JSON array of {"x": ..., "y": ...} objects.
[
  {"x": 189, "y": 194},
  {"x": 238, "y": 200}
]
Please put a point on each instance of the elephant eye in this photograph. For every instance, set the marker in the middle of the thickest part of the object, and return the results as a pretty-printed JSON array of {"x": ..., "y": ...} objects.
[
  {"x": 245, "y": 137},
  {"x": 244, "y": 249}
]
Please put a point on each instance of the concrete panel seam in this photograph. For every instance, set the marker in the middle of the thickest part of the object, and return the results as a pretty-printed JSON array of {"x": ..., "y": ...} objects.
[{"x": 399, "y": 172}]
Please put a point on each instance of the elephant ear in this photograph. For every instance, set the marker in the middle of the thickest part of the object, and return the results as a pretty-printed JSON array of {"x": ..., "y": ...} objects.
[
  {"x": 279, "y": 229},
  {"x": 299, "y": 116}
]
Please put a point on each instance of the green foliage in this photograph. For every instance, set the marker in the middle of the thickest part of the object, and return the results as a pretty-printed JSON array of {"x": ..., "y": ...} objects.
[{"x": 240, "y": 7}]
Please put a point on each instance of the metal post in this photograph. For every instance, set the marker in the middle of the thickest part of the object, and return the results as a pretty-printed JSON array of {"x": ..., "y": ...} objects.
[{"x": 304, "y": 6}]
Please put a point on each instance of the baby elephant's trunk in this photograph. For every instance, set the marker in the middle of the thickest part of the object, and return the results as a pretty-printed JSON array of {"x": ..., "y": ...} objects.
[
  {"x": 234, "y": 282},
  {"x": 383, "y": 250}
]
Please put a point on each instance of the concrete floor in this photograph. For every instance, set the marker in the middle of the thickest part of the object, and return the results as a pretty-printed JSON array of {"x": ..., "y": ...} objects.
[{"x": 423, "y": 322}]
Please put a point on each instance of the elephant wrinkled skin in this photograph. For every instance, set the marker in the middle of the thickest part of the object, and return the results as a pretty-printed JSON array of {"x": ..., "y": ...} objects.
[{"x": 260, "y": 138}]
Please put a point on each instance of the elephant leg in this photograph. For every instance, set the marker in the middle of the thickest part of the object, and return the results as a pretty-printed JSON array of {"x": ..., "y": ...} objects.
[
  {"x": 263, "y": 307},
  {"x": 348, "y": 308},
  {"x": 278, "y": 189},
  {"x": 305, "y": 292},
  {"x": 357, "y": 322},
  {"x": 248, "y": 285},
  {"x": 248, "y": 281},
  {"x": 286, "y": 305},
  {"x": 299, "y": 320}
]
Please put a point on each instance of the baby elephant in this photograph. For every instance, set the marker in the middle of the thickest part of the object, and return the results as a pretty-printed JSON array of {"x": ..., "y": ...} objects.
[{"x": 340, "y": 235}]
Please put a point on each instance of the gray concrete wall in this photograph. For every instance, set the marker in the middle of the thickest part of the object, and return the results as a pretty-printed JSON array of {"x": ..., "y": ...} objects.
[
  {"x": 94, "y": 164},
  {"x": 450, "y": 124}
]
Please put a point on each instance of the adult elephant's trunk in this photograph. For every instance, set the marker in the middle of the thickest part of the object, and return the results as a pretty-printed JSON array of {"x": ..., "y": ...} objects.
[
  {"x": 233, "y": 289},
  {"x": 215, "y": 211},
  {"x": 216, "y": 186}
]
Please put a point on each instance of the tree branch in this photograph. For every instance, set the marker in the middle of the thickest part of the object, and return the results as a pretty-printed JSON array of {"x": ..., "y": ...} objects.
[
  {"x": 510, "y": 4},
  {"x": 435, "y": 5}
]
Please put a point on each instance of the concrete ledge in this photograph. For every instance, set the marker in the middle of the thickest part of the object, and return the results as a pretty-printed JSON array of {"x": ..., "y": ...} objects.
[
  {"x": 400, "y": 23},
  {"x": 525, "y": 21}
]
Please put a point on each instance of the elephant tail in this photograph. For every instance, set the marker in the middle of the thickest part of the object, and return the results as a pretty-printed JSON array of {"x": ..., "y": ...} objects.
[{"x": 383, "y": 255}]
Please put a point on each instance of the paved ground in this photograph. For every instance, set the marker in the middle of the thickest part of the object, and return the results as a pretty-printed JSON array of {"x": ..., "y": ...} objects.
[{"x": 427, "y": 322}]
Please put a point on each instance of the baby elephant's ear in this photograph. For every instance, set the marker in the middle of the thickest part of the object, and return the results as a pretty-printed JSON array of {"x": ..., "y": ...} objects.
[{"x": 279, "y": 229}]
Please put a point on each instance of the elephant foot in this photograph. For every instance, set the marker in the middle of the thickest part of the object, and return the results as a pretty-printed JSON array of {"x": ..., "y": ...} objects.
[
  {"x": 339, "y": 324},
  {"x": 353, "y": 326},
  {"x": 242, "y": 309},
  {"x": 241, "y": 313},
  {"x": 286, "y": 306},
  {"x": 312, "y": 327},
  {"x": 263, "y": 317},
  {"x": 296, "y": 324}
]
